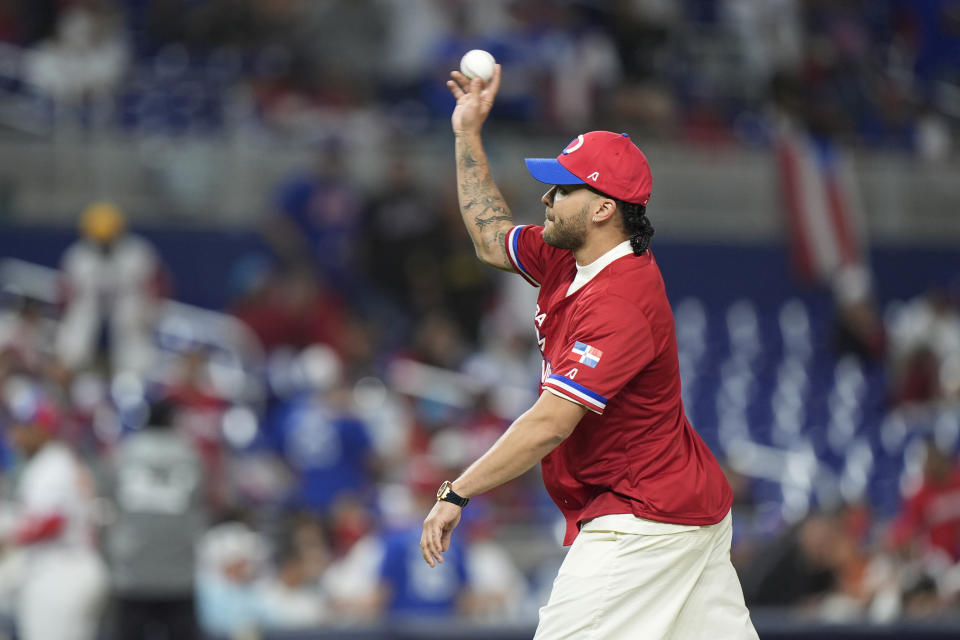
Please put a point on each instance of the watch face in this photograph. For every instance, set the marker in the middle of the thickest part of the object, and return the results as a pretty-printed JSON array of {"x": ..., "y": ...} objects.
[{"x": 443, "y": 490}]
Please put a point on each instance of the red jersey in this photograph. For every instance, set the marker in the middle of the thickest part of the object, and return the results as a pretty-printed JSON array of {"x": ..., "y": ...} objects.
[
  {"x": 610, "y": 346},
  {"x": 932, "y": 516}
]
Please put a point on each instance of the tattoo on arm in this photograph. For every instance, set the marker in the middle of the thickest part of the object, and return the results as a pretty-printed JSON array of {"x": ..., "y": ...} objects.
[
  {"x": 501, "y": 242},
  {"x": 484, "y": 211},
  {"x": 467, "y": 161},
  {"x": 482, "y": 222}
]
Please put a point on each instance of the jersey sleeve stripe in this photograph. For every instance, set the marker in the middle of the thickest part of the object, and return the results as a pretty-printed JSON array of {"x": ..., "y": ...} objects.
[
  {"x": 512, "y": 241},
  {"x": 569, "y": 398},
  {"x": 577, "y": 393}
]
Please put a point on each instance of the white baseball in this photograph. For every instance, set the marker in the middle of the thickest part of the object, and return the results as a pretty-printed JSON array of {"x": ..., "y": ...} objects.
[{"x": 477, "y": 63}]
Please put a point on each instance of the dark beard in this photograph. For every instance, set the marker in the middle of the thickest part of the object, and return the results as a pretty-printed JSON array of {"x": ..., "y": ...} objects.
[{"x": 569, "y": 235}]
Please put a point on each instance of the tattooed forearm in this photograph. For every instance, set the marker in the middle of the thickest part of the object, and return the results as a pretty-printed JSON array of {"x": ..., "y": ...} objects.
[
  {"x": 484, "y": 203},
  {"x": 482, "y": 222},
  {"x": 467, "y": 161},
  {"x": 500, "y": 242},
  {"x": 484, "y": 211}
]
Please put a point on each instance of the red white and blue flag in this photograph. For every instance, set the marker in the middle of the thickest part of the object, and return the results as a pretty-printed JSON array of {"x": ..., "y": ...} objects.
[
  {"x": 822, "y": 205},
  {"x": 589, "y": 356}
]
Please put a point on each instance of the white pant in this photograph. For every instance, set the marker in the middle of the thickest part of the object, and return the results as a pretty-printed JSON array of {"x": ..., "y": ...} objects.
[
  {"x": 63, "y": 596},
  {"x": 657, "y": 582}
]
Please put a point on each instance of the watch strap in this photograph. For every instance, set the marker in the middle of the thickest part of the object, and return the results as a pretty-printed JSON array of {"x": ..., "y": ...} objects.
[{"x": 447, "y": 494}]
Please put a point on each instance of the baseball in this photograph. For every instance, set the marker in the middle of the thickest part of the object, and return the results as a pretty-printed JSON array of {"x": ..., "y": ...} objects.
[{"x": 477, "y": 63}]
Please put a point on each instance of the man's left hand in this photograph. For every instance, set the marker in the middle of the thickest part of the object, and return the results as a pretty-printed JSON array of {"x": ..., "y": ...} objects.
[{"x": 440, "y": 523}]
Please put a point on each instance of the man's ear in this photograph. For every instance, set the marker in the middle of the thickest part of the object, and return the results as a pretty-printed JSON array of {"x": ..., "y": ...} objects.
[{"x": 605, "y": 208}]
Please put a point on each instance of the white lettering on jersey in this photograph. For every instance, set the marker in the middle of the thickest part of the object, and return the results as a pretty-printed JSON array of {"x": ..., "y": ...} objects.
[
  {"x": 539, "y": 318},
  {"x": 573, "y": 373}
]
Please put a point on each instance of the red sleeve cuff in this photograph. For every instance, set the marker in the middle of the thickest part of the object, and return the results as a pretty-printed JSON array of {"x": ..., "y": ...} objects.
[{"x": 39, "y": 528}]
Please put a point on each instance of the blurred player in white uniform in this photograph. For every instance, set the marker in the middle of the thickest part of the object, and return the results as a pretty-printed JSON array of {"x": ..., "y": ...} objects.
[
  {"x": 64, "y": 581},
  {"x": 112, "y": 284}
]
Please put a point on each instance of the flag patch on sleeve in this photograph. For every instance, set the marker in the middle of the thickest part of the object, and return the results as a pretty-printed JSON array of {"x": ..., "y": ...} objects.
[{"x": 589, "y": 356}]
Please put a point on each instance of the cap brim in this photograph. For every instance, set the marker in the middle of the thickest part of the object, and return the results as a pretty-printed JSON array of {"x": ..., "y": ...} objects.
[{"x": 550, "y": 171}]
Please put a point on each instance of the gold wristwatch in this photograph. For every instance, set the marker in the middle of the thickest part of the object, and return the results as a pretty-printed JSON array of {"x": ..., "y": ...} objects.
[{"x": 447, "y": 494}]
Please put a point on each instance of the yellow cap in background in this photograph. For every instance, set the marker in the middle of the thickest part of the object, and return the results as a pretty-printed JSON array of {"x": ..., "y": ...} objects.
[{"x": 102, "y": 221}]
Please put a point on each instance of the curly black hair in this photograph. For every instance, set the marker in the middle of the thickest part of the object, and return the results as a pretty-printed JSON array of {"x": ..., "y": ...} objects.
[{"x": 635, "y": 222}]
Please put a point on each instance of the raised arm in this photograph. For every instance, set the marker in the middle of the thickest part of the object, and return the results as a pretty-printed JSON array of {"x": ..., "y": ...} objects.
[{"x": 484, "y": 211}]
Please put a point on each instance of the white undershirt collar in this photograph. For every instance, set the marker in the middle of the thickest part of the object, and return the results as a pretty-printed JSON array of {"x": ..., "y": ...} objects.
[{"x": 587, "y": 272}]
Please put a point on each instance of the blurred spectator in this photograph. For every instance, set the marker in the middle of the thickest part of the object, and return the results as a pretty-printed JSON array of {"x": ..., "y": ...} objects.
[
  {"x": 584, "y": 66},
  {"x": 768, "y": 35},
  {"x": 112, "y": 282},
  {"x": 929, "y": 520},
  {"x": 190, "y": 383},
  {"x": 878, "y": 72},
  {"x": 858, "y": 327},
  {"x": 157, "y": 488},
  {"x": 467, "y": 287},
  {"x": 316, "y": 219},
  {"x": 934, "y": 140},
  {"x": 512, "y": 32},
  {"x": 91, "y": 425},
  {"x": 410, "y": 588},
  {"x": 321, "y": 438},
  {"x": 313, "y": 312},
  {"x": 402, "y": 233},
  {"x": 294, "y": 309},
  {"x": 501, "y": 369},
  {"x": 822, "y": 565},
  {"x": 390, "y": 419},
  {"x": 198, "y": 408},
  {"x": 352, "y": 579},
  {"x": 290, "y": 598},
  {"x": 64, "y": 587},
  {"x": 256, "y": 300},
  {"x": 855, "y": 576},
  {"x": 413, "y": 27},
  {"x": 781, "y": 574},
  {"x": 438, "y": 341},
  {"x": 498, "y": 590},
  {"x": 925, "y": 347},
  {"x": 232, "y": 563},
  {"x": 26, "y": 337},
  {"x": 917, "y": 380},
  {"x": 86, "y": 58},
  {"x": 350, "y": 520}
]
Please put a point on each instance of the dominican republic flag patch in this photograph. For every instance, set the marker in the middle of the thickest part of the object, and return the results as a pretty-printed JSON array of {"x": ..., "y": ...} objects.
[{"x": 589, "y": 356}]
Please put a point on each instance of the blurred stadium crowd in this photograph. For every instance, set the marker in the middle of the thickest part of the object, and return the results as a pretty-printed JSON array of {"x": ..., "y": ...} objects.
[
  {"x": 298, "y": 435},
  {"x": 883, "y": 73}
]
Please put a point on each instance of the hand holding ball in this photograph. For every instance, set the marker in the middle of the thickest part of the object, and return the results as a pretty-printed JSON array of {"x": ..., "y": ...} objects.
[
  {"x": 474, "y": 88},
  {"x": 477, "y": 63}
]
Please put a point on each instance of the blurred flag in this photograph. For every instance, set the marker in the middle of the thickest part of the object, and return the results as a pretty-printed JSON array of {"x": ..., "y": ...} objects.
[{"x": 824, "y": 220}]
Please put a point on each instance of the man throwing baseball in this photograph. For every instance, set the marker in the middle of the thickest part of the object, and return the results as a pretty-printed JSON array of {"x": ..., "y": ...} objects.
[{"x": 646, "y": 504}]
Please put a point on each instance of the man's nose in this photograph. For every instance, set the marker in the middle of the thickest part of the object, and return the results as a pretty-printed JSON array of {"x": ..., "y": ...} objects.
[{"x": 547, "y": 198}]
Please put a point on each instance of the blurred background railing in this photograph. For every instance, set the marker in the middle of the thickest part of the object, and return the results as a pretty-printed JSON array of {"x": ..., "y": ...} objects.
[{"x": 226, "y": 183}]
